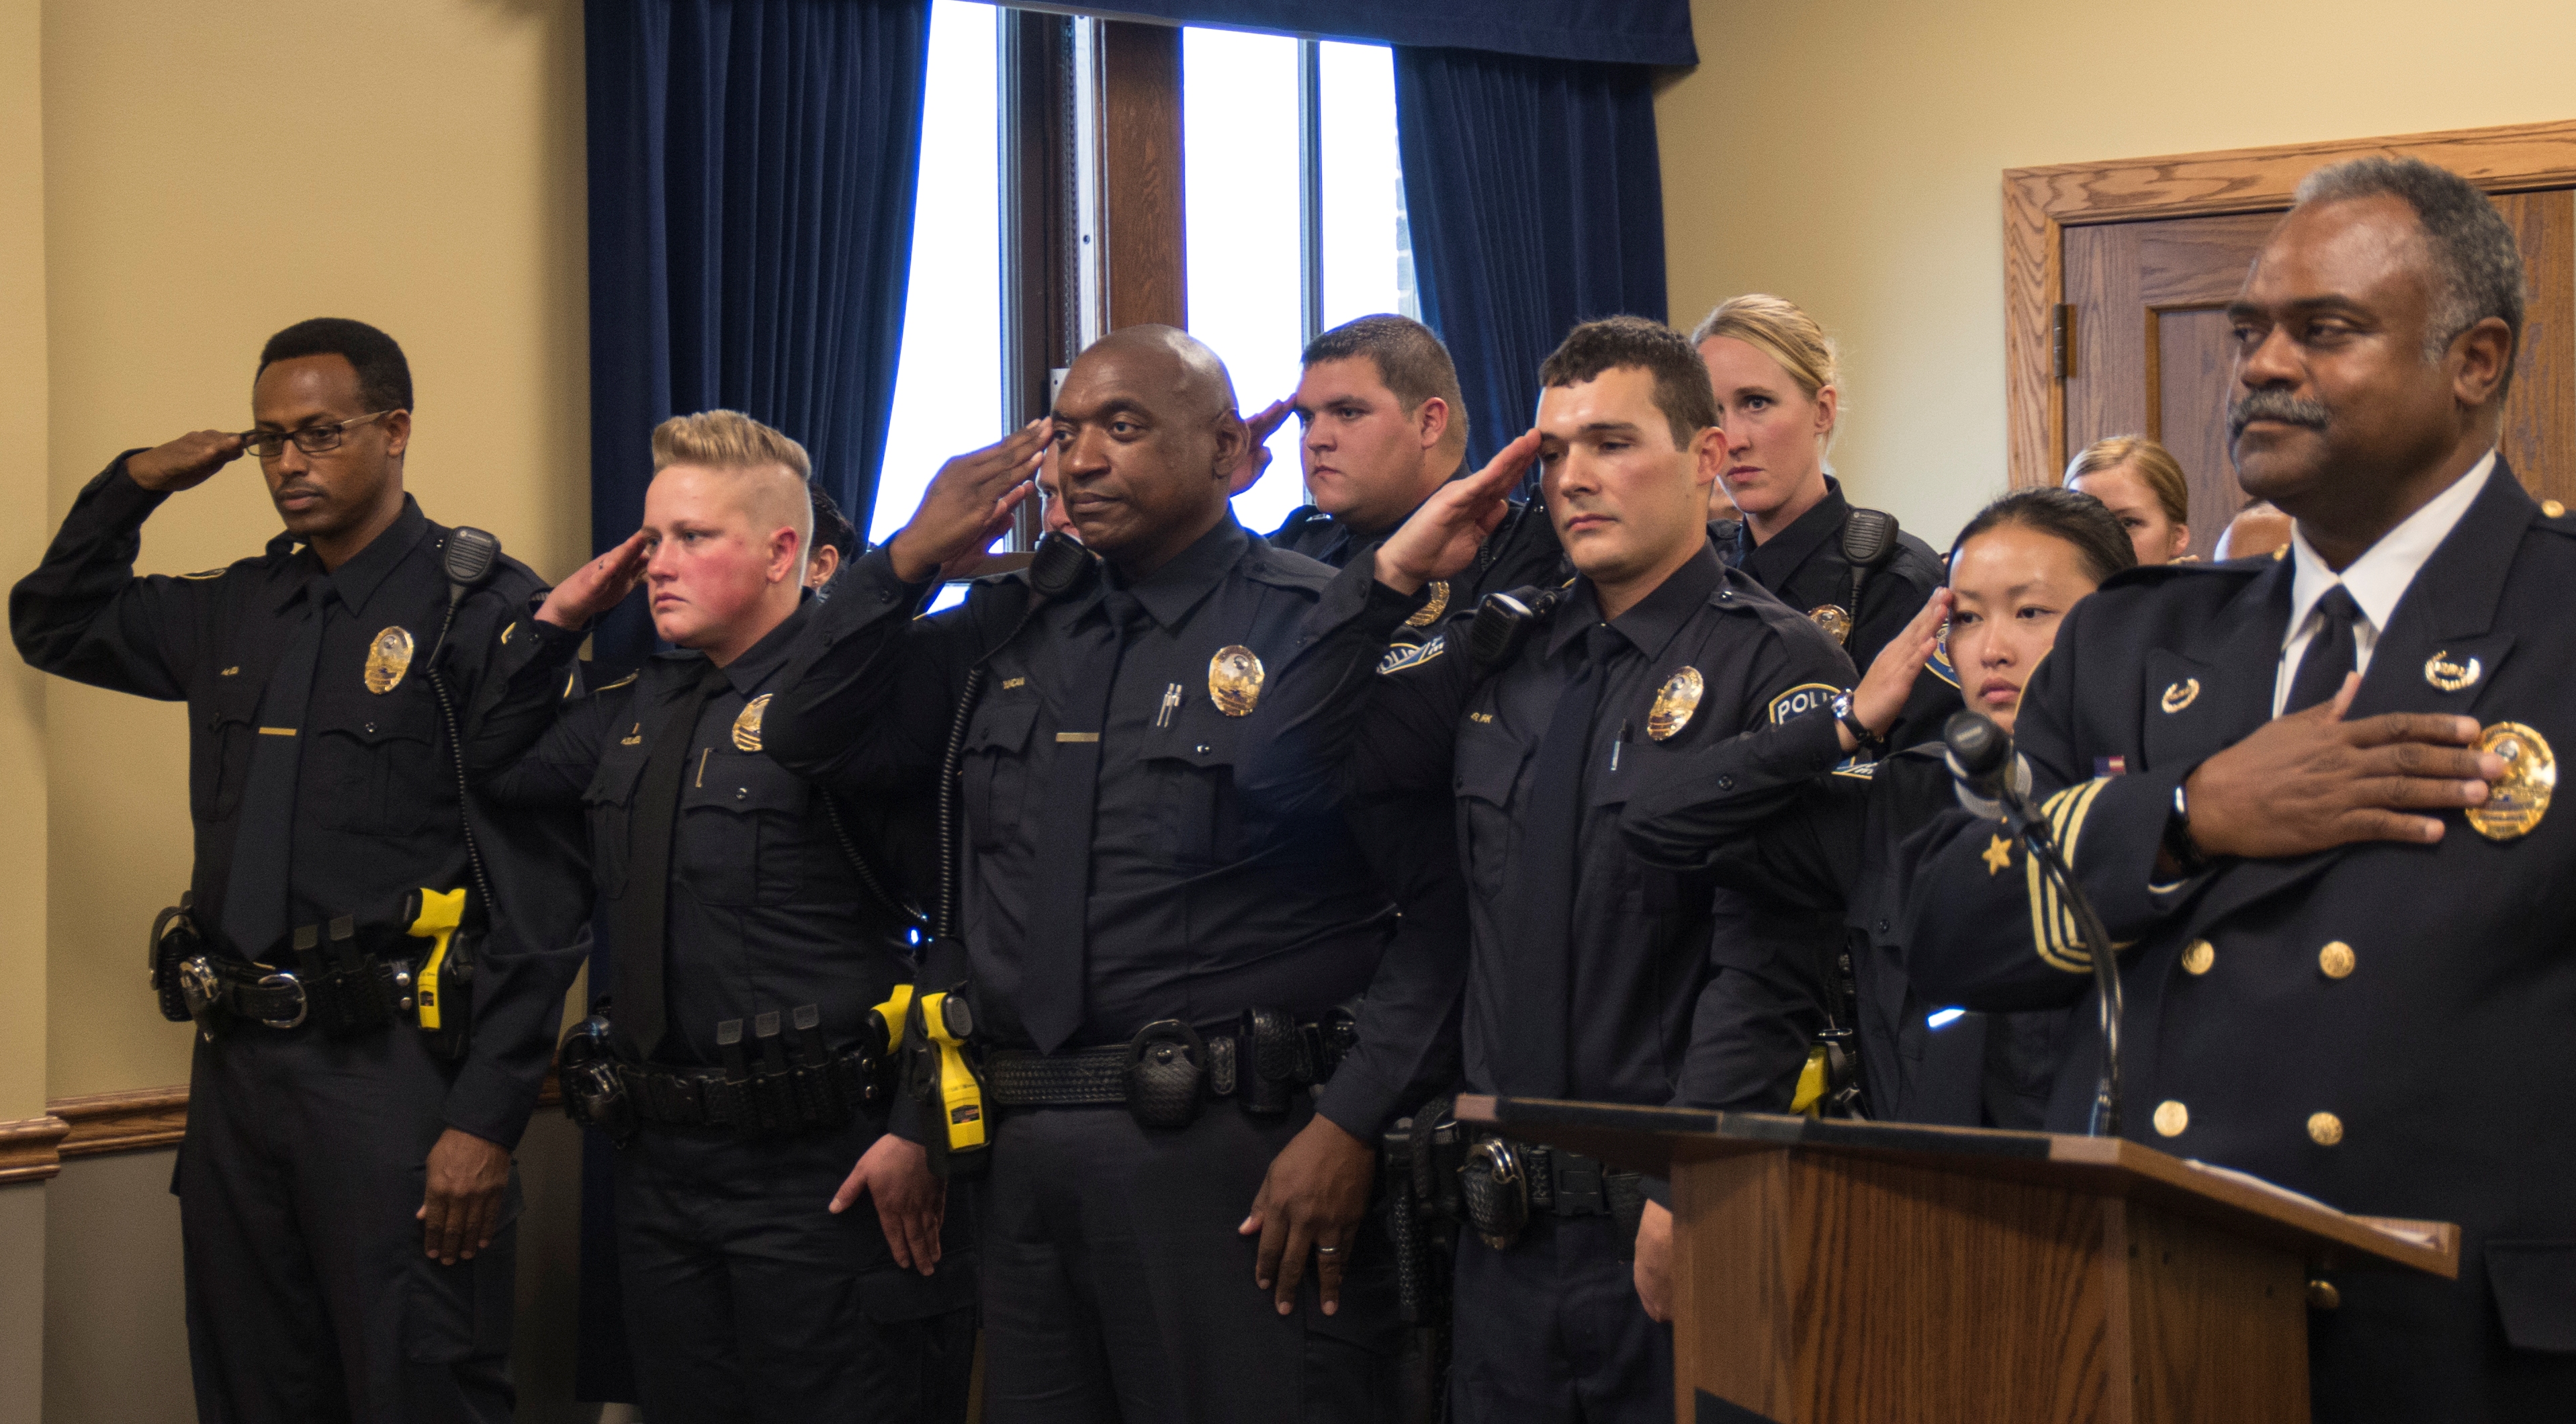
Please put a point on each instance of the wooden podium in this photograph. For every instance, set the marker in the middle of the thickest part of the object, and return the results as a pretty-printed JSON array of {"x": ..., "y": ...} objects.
[{"x": 1832, "y": 1272}]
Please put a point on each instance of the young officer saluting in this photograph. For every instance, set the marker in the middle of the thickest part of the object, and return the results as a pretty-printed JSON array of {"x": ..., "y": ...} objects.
[
  {"x": 346, "y": 1197},
  {"x": 753, "y": 925},
  {"x": 1593, "y": 975}
]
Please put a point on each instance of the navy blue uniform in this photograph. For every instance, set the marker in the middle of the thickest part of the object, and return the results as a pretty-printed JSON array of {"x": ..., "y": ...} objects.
[
  {"x": 308, "y": 1293},
  {"x": 745, "y": 1298},
  {"x": 2380, "y": 1026}
]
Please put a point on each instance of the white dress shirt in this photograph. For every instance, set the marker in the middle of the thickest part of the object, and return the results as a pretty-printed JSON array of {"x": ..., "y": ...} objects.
[{"x": 2377, "y": 580}]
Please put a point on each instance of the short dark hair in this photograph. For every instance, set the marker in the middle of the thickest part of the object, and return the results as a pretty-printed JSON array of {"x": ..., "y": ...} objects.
[
  {"x": 832, "y": 528},
  {"x": 2071, "y": 515},
  {"x": 2477, "y": 265},
  {"x": 1681, "y": 377},
  {"x": 1410, "y": 359},
  {"x": 384, "y": 377}
]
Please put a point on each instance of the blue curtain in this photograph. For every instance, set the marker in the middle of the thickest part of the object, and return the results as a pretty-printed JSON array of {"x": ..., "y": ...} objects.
[
  {"x": 752, "y": 169},
  {"x": 1620, "y": 31},
  {"x": 1536, "y": 202}
]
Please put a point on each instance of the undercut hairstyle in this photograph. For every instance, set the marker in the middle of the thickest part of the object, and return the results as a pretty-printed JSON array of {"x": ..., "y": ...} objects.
[
  {"x": 1780, "y": 329},
  {"x": 1681, "y": 378},
  {"x": 731, "y": 440},
  {"x": 2477, "y": 266},
  {"x": 2073, "y": 516},
  {"x": 2154, "y": 463},
  {"x": 1411, "y": 361},
  {"x": 384, "y": 376}
]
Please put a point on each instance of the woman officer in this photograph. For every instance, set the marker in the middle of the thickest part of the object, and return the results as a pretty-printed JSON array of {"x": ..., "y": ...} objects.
[{"x": 2143, "y": 485}]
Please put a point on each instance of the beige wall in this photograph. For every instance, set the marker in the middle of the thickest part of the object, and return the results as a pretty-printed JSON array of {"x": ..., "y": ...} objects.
[
  {"x": 1850, "y": 157},
  {"x": 213, "y": 173}
]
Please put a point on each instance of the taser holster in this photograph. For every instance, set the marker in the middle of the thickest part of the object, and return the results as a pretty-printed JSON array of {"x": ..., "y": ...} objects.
[
  {"x": 443, "y": 991},
  {"x": 939, "y": 1071}
]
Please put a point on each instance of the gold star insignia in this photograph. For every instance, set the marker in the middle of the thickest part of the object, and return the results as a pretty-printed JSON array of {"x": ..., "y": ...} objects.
[{"x": 1998, "y": 856}]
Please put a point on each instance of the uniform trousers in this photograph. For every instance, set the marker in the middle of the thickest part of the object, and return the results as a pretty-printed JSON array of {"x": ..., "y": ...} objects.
[
  {"x": 748, "y": 1300},
  {"x": 1552, "y": 1330},
  {"x": 308, "y": 1294},
  {"x": 1117, "y": 1292}
]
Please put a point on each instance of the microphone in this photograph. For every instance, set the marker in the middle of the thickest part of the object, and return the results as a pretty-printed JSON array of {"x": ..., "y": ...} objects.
[{"x": 1993, "y": 783}]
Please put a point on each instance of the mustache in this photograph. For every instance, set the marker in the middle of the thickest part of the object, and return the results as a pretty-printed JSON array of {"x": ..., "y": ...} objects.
[{"x": 2273, "y": 405}]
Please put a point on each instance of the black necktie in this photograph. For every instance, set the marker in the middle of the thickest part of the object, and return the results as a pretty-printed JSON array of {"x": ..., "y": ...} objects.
[
  {"x": 1052, "y": 978},
  {"x": 1539, "y": 982},
  {"x": 640, "y": 922},
  {"x": 2330, "y": 655},
  {"x": 263, "y": 839}
]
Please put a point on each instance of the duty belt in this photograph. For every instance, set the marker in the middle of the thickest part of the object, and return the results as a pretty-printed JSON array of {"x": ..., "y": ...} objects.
[
  {"x": 1504, "y": 1181},
  {"x": 796, "y": 1099},
  {"x": 1160, "y": 1074},
  {"x": 219, "y": 989}
]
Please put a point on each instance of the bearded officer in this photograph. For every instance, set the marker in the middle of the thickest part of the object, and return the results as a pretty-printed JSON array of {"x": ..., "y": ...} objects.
[
  {"x": 2310, "y": 797},
  {"x": 346, "y": 1197}
]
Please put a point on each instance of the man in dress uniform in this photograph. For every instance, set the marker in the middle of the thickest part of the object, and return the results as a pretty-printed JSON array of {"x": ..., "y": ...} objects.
[
  {"x": 1162, "y": 906},
  {"x": 1593, "y": 975},
  {"x": 754, "y": 922},
  {"x": 2310, "y": 796},
  {"x": 346, "y": 1196},
  {"x": 1385, "y": 426}
]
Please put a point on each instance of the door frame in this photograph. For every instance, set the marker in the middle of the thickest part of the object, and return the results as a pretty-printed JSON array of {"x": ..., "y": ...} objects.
[{"x": 2041, "y": 203}]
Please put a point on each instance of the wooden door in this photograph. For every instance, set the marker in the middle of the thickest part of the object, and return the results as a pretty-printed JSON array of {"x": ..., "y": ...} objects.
[{"x": 2148, "y": 349}]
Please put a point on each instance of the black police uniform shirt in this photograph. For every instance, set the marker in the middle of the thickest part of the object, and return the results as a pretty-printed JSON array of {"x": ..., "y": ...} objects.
[
  {"x": 1222, "y": 874},
  {"x": 1522, "y": 551},
  {"x": 1804, "y": 566},
  {"x": 375, "y": 809},
  {"x": 1835, "y": 850},
  {"x": 1678, "y": 997},
  {"x": 2381, "y": 1026},
  {"x": 764, "y": 911}
]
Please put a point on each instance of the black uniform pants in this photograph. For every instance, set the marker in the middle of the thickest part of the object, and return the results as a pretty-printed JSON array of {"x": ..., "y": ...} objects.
[
  {"x": 1552, "y": 1330},
  {"x": 748, "y": 1300},
  {"x": 309, "y": 1297},
  {"x": 1116, "y": 1289}
]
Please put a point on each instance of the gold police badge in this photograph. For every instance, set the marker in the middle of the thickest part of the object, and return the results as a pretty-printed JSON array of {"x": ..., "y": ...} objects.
[
  {"x": 1437, "y": 604},
  {"x": 1834, "y": 619},
  {"x": 1234, "y": 680},
  {"x": 2517, "y": 801},
  {"x": 746, "y": 727},
  {"x": 1675, "y": 701},
  {"x": 388, "y": 658}
]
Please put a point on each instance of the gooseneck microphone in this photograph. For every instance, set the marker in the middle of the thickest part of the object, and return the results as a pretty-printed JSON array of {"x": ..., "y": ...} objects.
[{"x": 1993, "y": 783}]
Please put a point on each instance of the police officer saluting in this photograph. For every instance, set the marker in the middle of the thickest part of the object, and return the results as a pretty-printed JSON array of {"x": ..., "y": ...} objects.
[
  {"x": 754, "y": 926},
  {"x": 1162, "y": 908},
  {"x": 2311, "y": 797},
  {"x": 1593, "y": 975},
  {"x": 345, "y": 1189}
]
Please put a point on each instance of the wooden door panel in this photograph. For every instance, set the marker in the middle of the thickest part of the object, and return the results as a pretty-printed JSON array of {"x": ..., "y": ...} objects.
[
  {"x": 2193, "y": 360},
  {"x": 2540, "y": 414}
]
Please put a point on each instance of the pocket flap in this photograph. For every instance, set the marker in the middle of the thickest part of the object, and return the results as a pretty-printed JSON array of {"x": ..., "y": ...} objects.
[
  {"x": 614, "y": 783},
  {"x": 1002, "y": 726},
  {"x": 2535, "y": 1292},
  {"x": 743, "y": 782},
  {"x": 1488, "y": 762}
]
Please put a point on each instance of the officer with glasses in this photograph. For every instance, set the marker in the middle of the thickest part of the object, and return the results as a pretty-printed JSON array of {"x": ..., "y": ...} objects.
[{"x": 375, "y": 968}]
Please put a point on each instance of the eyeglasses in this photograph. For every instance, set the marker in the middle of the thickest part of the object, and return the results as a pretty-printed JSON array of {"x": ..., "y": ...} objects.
[{"x": 312, "y": 439}]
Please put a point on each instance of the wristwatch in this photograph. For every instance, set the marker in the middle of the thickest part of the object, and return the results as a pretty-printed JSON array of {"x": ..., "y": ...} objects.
[
  {"x": 2178, "y": 843},
  {"x": 1870, "y": 742}
]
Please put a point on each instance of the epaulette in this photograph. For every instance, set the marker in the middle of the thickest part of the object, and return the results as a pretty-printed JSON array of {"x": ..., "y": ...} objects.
[
  {"x": 2148, "y": 575},
  {"x": 2555, "y": 518},
  {"x": 1270, "y": 564},
  {"x": 621, "y": 682}
]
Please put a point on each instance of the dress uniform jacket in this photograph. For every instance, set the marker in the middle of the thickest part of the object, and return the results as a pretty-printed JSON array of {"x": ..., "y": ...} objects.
[
  {"x": 308, "y": 1293},
  {"x": 1803, "y": 565},
  {"x": 2380, "y": 1026}
]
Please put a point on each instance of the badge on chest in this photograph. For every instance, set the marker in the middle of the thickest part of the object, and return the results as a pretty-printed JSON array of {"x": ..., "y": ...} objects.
[
  {"x": 2517, "y": 800},
  {"x": 388, "y": 658}
]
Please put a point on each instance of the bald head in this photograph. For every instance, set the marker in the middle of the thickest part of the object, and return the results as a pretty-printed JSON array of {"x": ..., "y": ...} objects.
[
  {"x": 1171, "y": 357},
  {"x": 1146, "y": 439}
]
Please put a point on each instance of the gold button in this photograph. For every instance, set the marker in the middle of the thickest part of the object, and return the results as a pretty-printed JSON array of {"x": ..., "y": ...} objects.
[
  {"x": 2325, "y": 1129},
  {"x": 2172, "y": 1117},
  {"x": 2323, "y": 1296},
  {"x": 2336, "y": 960},
  {"x": 2196, "y": 957},
  {"x": 2552, "y": 508}
]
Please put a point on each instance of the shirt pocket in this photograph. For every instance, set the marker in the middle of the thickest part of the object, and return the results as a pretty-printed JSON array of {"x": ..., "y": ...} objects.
[
  {"x": 740, "y": 813},
  {"x": 608, "y": 803},
  {"x": 1487, "y": 768},
  {"x": 220, "y": 747},
  {"x": 376, "y": 765},
  {"x": 994, "y": 775},
  {"x": 1191, "y": 766}
]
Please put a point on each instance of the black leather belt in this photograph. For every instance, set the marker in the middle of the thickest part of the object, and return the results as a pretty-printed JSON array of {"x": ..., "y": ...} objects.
[
  {"x": 1279, "y": 1052},
  {"x": 274, "y": 997},
  {"x": 798, "y": 1099},
  {"x": 1505, "y": 1181},
  {"x": 1570, "y": 1184}
]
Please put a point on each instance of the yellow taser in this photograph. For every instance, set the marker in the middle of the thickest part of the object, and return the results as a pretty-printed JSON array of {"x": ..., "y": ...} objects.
[
  {"x": 949, "y": 1023},
  {"x": 436, "y": 919}
]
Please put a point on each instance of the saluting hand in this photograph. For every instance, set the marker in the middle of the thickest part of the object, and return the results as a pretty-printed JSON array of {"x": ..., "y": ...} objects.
[
  {"x": 184, "y": 463},
  {"x": 1256, "y": 450},
  {"x": 968, "y": 504},
  {"x": 1443, "y": 535},
  {"x": 2312, "y": 781},
  {"x": 1880, "y": 698},
  {"x": 597, "y": 586},
  {"x": 1311, "y": 1200},
  {"x": 467, "y": 1179}
]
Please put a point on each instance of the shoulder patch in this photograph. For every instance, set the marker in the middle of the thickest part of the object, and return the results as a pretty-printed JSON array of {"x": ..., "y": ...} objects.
[
  {"x": 1408, "y": 655},
  {"x": 1939, "y": 666},
  {"x": 1798, "y": 701},
  {"x": 1858, "y": 770}
]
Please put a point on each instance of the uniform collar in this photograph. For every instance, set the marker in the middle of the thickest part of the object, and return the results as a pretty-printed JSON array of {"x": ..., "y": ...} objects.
[
  {"x": 1658, "y": 617},
  {"x": 1772, "y": 563},
  {"x": 1170, "y": 592},
  {"x": 748, "y": 672},
  {"x": 357, "y": 580},
  {"x": 2381, "y": 576}
]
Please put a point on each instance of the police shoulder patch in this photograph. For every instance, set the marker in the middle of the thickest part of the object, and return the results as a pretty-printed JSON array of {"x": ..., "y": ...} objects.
[
  {"x": 1798, "y": 701},
  {"x": 1853, "y": 767},
  {"x": 1406, "y": 655}
]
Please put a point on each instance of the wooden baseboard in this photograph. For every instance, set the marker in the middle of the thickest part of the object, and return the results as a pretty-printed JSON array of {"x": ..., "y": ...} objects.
[{"x": 29, "y": 1148}]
